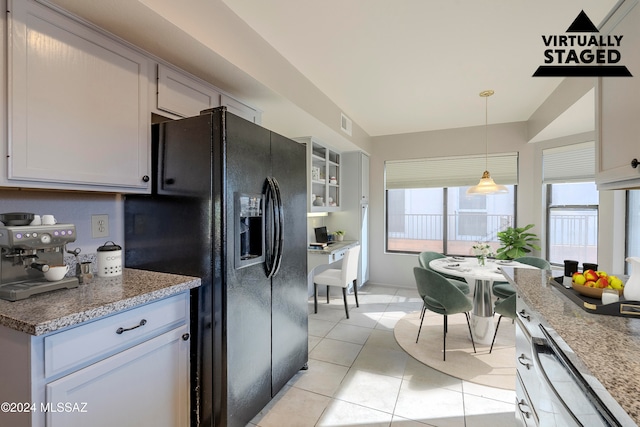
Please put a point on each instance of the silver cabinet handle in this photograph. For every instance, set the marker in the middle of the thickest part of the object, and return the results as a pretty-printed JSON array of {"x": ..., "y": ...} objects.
[
  {"x": 525, "y": 364},
  {"x": 121, "y": 330},
  {"x": 524, "y": 315},
  {"x": 522, "y": 403}
]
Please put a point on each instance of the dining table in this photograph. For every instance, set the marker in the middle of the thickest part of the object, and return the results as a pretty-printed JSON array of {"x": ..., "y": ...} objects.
[{"x": 480, "y": 279}]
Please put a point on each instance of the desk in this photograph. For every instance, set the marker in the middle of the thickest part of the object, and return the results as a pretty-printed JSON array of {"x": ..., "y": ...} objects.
[
  {"x": 480, "y": 279},
  {"x": 332, "y": 253},
  {"x": 318, "y": 258}
]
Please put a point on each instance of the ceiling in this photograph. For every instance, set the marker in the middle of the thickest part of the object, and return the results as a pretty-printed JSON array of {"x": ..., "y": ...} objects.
[
  {"x": 415, "y": 65},
  {"x": 392, "y": 67}
]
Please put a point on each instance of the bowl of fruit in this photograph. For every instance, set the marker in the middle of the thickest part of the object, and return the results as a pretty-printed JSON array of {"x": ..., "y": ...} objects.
[{"x": 591, "y": 283}]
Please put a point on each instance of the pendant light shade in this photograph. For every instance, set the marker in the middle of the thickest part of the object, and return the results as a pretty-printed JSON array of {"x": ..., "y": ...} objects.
[{"x": 486, "y": 184}]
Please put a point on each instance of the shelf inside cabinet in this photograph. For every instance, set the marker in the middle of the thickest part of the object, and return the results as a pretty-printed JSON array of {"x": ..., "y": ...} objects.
[{"x": 323, "y": 169}]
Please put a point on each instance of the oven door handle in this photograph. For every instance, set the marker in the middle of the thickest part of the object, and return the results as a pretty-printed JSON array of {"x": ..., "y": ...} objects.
[
  {"x": 542, "y": 347},
  {"x": 549, "y": 346}
]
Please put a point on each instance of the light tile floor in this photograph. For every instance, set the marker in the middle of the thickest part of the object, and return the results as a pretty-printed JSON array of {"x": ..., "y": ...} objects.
[{"x": 359, "y": 376}]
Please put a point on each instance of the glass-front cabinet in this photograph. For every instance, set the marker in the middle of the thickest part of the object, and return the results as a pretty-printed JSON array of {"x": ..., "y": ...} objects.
[{"x": 323, "y": 180}]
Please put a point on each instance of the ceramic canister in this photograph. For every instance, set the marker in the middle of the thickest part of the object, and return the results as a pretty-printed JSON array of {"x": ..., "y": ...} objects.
[
  {"x": 632, "y": 287},
  {"x": 109, "y": 260}
]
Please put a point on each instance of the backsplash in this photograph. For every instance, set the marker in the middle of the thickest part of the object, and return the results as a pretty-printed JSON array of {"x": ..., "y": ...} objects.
[
  {"x": 74, "y": 208},
  {"x": 72, "y": 262}
]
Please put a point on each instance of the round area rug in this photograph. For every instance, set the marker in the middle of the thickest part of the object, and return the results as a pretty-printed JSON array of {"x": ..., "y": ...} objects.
[{"x": 495, "y": 369}]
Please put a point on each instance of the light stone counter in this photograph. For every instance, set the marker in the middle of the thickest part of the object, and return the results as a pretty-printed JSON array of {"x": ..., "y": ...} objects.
[
  {"x": 604, "y": 348},
  {"x": 50, "y": 311}
]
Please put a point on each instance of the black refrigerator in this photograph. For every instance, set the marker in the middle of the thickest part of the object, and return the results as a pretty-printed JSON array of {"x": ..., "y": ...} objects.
[{"x": 229, "y": 205}]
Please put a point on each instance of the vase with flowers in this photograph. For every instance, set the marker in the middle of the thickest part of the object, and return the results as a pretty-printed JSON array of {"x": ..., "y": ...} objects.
[{"x": 482, "y": 251}]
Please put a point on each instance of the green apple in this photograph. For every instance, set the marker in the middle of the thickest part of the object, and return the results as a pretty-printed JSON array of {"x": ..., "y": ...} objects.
[
  {"x": 579, "y": 278},
  {"x": 616, "y": 283}
]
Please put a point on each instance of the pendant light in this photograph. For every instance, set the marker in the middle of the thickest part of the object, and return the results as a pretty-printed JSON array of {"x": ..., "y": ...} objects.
[{"x": 486, "y": 184}]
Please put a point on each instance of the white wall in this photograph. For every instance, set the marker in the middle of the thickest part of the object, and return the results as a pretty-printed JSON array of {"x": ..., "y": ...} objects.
[{"x": 397, "y": 269}]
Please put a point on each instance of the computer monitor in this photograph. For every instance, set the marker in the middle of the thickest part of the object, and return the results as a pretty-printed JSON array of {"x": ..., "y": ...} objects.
[{"x": 321, "y": 235}]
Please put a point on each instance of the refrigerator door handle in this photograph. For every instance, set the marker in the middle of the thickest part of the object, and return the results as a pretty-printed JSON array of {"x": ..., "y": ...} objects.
[
  {"x": 274, "y": 229},
  {"x": 280, "y": 228}
]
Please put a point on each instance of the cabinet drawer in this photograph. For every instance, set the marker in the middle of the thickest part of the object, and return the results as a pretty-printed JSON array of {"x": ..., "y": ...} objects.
[
  {"x": 525, "y": 415},
  {"x": 525, "y": 366},
  {"x": 337, "y": 256},
  {"x": 528, "y": 320},
  {"x": 96, "y": 340}
]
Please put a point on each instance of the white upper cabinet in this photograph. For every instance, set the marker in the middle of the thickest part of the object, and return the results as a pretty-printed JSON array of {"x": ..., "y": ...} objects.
[
  {"x": 618, "y": 108},
  {"x": 324, "y": 176},
  {"x": 77, "y": 106},
  {"x": 182, "y": 96},
  {"x": 242, "y": 110}
]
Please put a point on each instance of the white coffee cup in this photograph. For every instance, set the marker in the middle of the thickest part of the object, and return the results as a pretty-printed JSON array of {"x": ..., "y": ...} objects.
[
  {"x": 56, "y": 272},
  {"x": 36, "y": 220},
  {"x": 48, "y": 220}
]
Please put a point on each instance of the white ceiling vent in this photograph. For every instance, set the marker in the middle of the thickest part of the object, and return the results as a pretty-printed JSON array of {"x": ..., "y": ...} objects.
[{"x": 345, "y": 124}]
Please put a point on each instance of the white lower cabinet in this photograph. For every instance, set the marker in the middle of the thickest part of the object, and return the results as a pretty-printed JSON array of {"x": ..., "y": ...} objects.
[
  {"x": 127, "y": 369},
  {"x": 147, "y": 385}
]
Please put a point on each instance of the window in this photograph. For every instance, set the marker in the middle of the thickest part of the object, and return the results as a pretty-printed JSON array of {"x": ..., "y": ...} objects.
[
  {"x": 416, "y": 223},
  {"x": 415, "y": 220},
  {"x": 428, "y": 209},
  {"x": 633, "y": 223},
  {"x": 572, "y": 203},
  {"x": 572, "y": 229}
]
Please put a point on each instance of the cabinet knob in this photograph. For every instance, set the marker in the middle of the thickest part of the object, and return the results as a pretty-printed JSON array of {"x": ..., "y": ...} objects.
[
  {"x": 145, "y": 178},
  {"x": 634, "y": 163},
  {"x": 185, "y": 337}
]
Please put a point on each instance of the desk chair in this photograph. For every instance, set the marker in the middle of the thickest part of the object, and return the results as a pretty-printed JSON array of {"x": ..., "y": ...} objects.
[
  {"x": 339, "y": 277},
  {"x": 507, "y": 308},
  {"x": 442, "y": 297}
]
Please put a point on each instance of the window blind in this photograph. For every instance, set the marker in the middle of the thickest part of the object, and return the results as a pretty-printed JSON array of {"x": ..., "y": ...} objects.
[
  {"x": 570, "y": 163},
  {"x": 459, "y": 171}
]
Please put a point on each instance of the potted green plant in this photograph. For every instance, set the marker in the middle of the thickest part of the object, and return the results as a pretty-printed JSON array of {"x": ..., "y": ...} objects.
[
  {"x": 339, "y": 235},
  {"x": 516, "y": 242}
]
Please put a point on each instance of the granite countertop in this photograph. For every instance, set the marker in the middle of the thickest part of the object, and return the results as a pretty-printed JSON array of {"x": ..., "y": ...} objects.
[
  {"x": 51, "y": 311},
  {"x": 603, "y": 347}
]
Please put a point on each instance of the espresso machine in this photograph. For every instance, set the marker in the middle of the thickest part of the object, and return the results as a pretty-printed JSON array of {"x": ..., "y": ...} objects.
[{"x": 26, "y": 253}]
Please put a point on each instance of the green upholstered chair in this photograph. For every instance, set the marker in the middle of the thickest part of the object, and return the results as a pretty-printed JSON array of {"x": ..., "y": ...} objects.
[
  {"x": 542, "y": 264},
  {"x": 504, "y": 290},
  {"x": 506, "y": 307},
  {"x": 426, "y": 257},
  {"x": 442, "y": 297}
]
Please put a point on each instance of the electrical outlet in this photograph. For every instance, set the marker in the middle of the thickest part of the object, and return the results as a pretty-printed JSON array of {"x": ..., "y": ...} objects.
[{"x": 99, "y": 226}]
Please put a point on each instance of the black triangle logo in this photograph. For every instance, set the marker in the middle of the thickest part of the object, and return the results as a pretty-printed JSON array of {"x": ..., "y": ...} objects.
[{"x": 582, "y": 24}]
